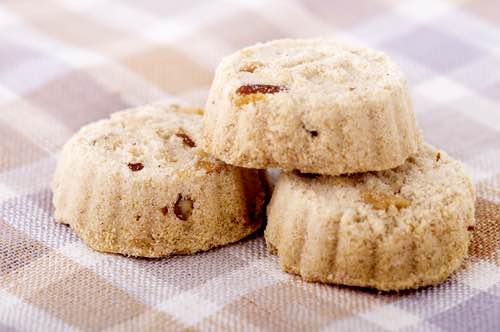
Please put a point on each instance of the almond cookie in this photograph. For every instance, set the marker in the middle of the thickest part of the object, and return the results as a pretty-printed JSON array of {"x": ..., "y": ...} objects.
[
  {"x": 391, "y": 230},
  {"x": 139, "y": 184},
  {"x": 319, "y": 106}
]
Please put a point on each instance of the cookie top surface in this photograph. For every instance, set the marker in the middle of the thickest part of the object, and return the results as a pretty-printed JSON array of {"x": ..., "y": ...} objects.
[
  {"x": 314, "y": 72},
  {"x": 159, "y": 138},
  {"x": 429, "y": 181}
]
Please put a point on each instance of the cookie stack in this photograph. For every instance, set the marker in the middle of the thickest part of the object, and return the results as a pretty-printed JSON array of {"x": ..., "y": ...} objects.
[{"x": 362, "y": 200}]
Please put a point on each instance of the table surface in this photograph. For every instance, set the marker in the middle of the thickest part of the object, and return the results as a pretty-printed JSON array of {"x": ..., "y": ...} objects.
[{"x": 66, "y": 63}]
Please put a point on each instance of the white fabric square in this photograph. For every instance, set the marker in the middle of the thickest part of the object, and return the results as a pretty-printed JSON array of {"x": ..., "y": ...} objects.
[
  {"x": 424, "y": 10},
  {"x": 189, "y": 307},
  {"x": 391, "y": 318},
  {"x": 6, "y": 95},
  {"x": 441, "y": 89},
  {"x": 481, "y": 275}
]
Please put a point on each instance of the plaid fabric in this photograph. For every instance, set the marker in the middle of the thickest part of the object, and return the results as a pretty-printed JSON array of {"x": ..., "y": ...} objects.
[{"x": 68, "y": 62}]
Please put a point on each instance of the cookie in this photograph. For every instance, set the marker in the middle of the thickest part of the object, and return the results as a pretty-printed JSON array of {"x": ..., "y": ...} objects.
[
  {"x": 318, "y": 106},
  {"x": 139, "y": 184},
  {"x": 391, "y": 230}
]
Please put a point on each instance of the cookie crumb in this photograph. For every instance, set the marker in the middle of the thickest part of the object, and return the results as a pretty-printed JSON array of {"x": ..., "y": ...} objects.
[
  {"x": 193, "y": 110},
  {"x": 210, "y": 167},
  {"x": 250, "y": 67},
  {"x": 249, "y": 99}
]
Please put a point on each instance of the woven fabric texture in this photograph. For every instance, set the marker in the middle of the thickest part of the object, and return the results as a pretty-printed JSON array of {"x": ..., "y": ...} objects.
[{"x": 69, "y": 62}]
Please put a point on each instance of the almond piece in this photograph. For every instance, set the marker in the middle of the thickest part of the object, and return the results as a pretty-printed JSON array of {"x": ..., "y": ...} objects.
[{"x": 382, "y": 201}]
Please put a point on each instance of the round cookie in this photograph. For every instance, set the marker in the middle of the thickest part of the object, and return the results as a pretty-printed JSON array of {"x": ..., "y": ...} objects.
[
  {"x": 391, "y": 230},
  {"x": 139, "y": 184},
  {"x": 319, "y": 106}
]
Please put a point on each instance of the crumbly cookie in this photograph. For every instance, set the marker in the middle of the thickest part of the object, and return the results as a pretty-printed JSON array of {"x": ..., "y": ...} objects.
[
  {"x": 319, "y": 106},
  {"x": 139, "y": 184},
  {"x": 391, "y": 230}
]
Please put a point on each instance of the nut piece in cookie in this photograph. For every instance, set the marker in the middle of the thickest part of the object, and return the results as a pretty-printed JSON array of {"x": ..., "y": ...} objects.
[
  {"x": 382, "y": 201},
  {"x": 183, "y": 207}
]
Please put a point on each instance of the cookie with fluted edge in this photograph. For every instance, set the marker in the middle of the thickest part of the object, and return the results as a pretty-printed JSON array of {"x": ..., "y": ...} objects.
[
  {"x": 139, "y": 184},
  {"x": 318, "y": 106},
  {"x": 391, "y": 230}
]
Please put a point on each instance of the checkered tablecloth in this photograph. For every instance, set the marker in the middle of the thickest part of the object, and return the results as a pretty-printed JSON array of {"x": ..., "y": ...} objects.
[{"x": 66, "y": 63}]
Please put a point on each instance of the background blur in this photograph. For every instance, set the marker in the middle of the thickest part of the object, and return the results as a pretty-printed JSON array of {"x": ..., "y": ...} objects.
[
  {"x": 65, "y": 63},
  {"x": 68, "y": 62}
]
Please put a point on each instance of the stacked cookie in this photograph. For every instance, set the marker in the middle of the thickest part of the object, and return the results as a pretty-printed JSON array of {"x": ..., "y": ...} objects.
[{"x": 362, "y": 200}]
